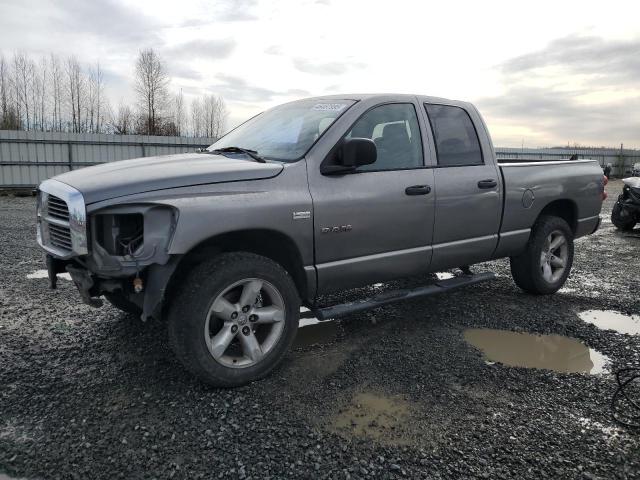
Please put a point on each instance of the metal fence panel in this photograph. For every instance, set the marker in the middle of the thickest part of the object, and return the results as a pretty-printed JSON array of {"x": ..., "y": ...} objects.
[{"x": 27, "y": 158}]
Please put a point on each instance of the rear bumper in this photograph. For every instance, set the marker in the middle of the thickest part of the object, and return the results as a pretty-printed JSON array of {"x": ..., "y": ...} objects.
[{"x": 587, "y": 226}]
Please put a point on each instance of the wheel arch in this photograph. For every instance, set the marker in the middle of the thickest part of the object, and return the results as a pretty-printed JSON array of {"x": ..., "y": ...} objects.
[
  {"x": 272, "y": 244},
  {"x": 562, "y": 208}
]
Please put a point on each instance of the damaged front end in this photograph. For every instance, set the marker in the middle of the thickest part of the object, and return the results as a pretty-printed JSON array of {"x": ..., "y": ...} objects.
[{"x": 120, "y": 250}]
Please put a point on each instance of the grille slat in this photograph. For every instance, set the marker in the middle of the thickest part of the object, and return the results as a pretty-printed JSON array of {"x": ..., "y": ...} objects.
[
  {"x": 59, "y": 235},
  {"x": 57, "y": 208}
]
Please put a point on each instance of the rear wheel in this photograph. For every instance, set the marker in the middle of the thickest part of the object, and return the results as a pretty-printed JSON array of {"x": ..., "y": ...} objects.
[
  {"x": 621, "y": 218},
  {"x": 545, "y": 265},
  {"x": 234, "y": 318}
]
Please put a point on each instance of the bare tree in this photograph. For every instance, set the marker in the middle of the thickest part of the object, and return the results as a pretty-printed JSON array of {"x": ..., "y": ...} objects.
[
  {"x": 179, "y": 112},
  {"x": 22, "y": 81},
  {"x": 123, "y": 121},
  {"x": 57, "y": 85},
  {"x": 197, "y": 118},
  {"x": 39, "y": 95},
  {"x": 95, "y": 100},
  {"x": 76, "y": 89},
  {"x": 215, "y": 115},
  {"x": 6, "y": 120},
  {"x": 151, "y": 84}
]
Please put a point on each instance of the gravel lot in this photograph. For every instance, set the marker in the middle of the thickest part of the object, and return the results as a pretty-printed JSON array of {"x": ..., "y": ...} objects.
[{"x": 95, "y": 394}]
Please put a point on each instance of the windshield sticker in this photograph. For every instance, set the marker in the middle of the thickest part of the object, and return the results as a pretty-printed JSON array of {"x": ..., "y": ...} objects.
[{"x": 329, "y": 107}]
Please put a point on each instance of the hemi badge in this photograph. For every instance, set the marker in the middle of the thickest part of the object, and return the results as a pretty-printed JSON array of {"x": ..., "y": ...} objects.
[{"x": 301, "y": 215}]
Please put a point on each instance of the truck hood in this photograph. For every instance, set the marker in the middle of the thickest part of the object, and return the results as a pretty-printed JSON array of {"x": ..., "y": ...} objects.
[{"x": 140, "y": 175}]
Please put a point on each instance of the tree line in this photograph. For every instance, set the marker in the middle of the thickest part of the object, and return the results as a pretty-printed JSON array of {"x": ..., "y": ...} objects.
[{"x": 55, "y": 94}]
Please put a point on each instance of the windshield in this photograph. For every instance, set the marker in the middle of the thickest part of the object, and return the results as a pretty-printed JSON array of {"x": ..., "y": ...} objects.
[{"x": 285, "y": 132}]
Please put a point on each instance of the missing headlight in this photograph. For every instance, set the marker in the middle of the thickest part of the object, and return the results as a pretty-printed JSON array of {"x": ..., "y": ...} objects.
[{"x": 120, "y": 234}]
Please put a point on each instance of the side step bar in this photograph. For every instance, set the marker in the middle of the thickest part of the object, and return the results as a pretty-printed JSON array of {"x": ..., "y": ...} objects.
[{"x": 385, "y": 298}]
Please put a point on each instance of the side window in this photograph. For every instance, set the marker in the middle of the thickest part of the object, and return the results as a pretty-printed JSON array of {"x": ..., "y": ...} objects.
[
  {"x": 456, "y": 138},
  {"x": 395, "y": 131}
]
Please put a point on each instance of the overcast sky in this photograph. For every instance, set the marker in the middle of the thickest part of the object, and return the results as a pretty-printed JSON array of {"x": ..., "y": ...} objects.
[{"x": 541, "y": 72}]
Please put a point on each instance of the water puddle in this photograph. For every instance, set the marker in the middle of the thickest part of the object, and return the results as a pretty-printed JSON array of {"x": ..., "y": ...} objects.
[
  {"x": 612, "y": 320},
  {"x": 45, "y": 274},
  {"x": 549, "y": 352},
  {"x": 376, "y": 416}
]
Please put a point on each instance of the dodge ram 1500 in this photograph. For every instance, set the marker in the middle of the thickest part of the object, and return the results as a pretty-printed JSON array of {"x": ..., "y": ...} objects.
[{"x": 309, "y": 197}]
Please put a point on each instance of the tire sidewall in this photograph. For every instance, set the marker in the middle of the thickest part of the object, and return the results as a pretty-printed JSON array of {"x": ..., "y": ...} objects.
[
  {"x": 545, "y": 227},
  {"x": 190, "y": 307},
  {"x": 617, "y": 219}
]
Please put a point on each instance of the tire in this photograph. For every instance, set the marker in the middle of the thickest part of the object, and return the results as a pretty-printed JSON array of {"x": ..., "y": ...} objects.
[
  {"x": 620, "y": 220},
  {"x": 206, "y": 311},
  {"x": 118, "y": 300},
  {"x": 537, "y": 270}
]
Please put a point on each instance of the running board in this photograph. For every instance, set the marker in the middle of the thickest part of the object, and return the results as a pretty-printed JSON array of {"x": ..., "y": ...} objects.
[{"x": 385, "y": 298}]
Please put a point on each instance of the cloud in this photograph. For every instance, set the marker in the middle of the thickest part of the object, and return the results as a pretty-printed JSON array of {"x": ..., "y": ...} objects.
[
  {"x": 273, "y": 50},
  {"x": 235, "y": 10},
  {"x": 182, "y": 70},
  {"x": 237, "y": 89},
  {"x": 326, "y": 68},
  {"x": 212, "y": 49},
  {"x": 109, "y": 20},
  {"x": 577, "y": 89},
  {"x": 584, "y": 55}
]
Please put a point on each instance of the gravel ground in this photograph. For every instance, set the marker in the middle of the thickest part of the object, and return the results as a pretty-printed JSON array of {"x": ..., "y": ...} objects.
[{"x": 95, "y": 394}]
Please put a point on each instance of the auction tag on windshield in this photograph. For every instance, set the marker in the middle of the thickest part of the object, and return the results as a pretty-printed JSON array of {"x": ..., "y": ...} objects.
[{"x": 329, "y": 107}]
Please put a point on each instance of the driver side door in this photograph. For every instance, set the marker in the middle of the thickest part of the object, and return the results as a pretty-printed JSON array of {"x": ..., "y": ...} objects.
[{"x": 376, "y": 223}]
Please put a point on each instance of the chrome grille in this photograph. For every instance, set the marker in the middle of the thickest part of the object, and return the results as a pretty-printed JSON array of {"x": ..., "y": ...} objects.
[
  {"x": 61, "y": 216},
  {"x": 60, "y": 236},
  {"x": 57, "y": 208}
]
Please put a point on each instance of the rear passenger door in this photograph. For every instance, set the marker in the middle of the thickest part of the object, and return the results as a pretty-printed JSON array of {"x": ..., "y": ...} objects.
[{"x": 467, "y": 188}]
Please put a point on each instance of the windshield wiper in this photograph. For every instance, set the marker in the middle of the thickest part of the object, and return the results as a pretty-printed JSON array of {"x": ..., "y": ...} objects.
[{"x": 251, "y": 153}]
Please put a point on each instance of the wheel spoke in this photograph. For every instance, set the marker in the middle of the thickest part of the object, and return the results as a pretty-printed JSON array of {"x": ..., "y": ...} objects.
[
  {"x": 557, "y": 262},
  {"x": 250, "y": 292},
  {"x": 547, "y": 273},
  {"x": 220, "y": 342},
  {"x": 557, "y": 243},
  {"x": 223, "y": 308},
  {"x": 250, "y": 346},
  {"x": 270, "y": 314}
]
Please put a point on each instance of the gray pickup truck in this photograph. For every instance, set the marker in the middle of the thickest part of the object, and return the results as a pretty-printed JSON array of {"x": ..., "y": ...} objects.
[{"x": 309, "y": 197}]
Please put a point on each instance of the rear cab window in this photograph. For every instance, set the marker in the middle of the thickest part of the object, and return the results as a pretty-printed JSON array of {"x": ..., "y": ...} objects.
[{"x": 456, "y": 139}]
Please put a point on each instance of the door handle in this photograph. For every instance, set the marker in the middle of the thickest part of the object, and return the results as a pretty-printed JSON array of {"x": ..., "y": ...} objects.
[
  {"x": 417, "y": 190},
  {"x": 489, "y": 183}
]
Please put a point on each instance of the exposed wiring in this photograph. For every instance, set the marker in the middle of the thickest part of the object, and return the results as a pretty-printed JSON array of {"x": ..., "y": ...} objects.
[
  {"x": 625, "y": 403},
  {"x": 128, "y": 245}
]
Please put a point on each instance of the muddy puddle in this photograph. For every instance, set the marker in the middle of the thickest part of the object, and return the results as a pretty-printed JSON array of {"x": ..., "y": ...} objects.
[
  {"x": 380, "y": 417},
  {"x": 612, "y": 320},
  {"x": 549, "y": 352}
]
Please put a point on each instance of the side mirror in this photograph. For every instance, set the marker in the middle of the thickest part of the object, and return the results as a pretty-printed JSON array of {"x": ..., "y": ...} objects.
[{"x": 357, "y": 151}]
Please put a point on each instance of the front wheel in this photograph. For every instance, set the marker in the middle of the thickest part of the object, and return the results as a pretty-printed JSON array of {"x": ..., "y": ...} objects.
[
  {"x": 234, "y": 318},
  {"x": 545, "y": 265},
  {"x": 621, "y": 218}
]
